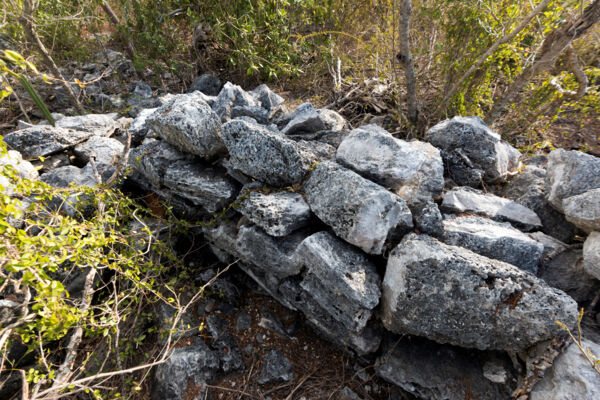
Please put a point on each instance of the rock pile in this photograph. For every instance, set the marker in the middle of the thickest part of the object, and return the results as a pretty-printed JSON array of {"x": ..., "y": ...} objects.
[{"x": 365, "y": 234}]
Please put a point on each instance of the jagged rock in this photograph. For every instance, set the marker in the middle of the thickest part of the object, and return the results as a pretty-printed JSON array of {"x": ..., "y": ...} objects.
[
  {"x": 188, "y": 325},
  {"x": 433, "y": 371},
  {"x": 279, "y": 213},
  {"x": 529, "y": 190},
  {"x": 186, "y": 370},
  {"x": 275, "y": 368},
  {"x": 591, "y": 254},
  {"x": 359, "y": 211},
  {"x": 234, "y": 173},
  {"x": 427, "y": 218},
  {"x": 105, "y": 151},
  {"x": 570, "y": 173},
  {"x": 94, "y": 124},
  {"x": 452, "y": 295},
  {"x": 570, "y": 377},
  {"x": 231, "y": 96},
  {"x": 494, "y": 240},
  {"x": 583, "y": 210},
  {"x": 305, "y": 119},
  {"x": 274, "y": 255},
  {"x": 266, "y": 97},
  {"x": 259, "y": 114},
  {"x": 322, "y": 151},
  {"x": 230, "y": 356},
  {"x": 468, "y": 200},
  {"x": 264, "y": 155},
  {"x": 42, "y": 141},
  {"x": 201, "y": 184},
  {"x": 412, "y": 170},
  {"x": 63, "y": 177},
  {"x": 207, "y": 84},
  {"x": 472, "y": 152},
  {"x": 562, "y": 267},
  {"x": 222, "y": 235},
  {"x": 151, "y": 161},
  {"x": 364, "y": 342},
  {"x": 22, "y": 168},
  {"x": 189, "y": 124},
  {"x": 340, "y": 278},
  {"x": 139, "y": 128}
]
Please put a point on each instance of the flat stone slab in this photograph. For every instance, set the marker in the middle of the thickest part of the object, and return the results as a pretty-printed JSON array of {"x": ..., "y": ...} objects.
[
  {"x": 278, "y": 213},
  {"x": 495, "y": 240},
  {"x": 570, "y": 173},
  {"x": 434, "y": 371},
  {"x": 264, "y": 155},
  {"x": 583, "y": 210},
  {"x": 413, "y": 170},
  {"x": 468, "y": 200},
  {"x": 95, "y": 124},
  {"x": 359, "y": 211},
  {"x": 341, "y": 279},
  {"x": 452, "y": 295},
  {"x": 188, "y": 123},
  {"x": 472, "y": 152},
  {"x": 43, "y": 140}
]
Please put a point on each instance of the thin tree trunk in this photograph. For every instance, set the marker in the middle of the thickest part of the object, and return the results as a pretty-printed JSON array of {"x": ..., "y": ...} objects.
[
  {"x": 26, "y": 21},
  {"x": 115, "y": 20},
  {"x": 504, "y": 39},
  {"x": 406, "y": 61},
  {"x": 554, "y": 44}
]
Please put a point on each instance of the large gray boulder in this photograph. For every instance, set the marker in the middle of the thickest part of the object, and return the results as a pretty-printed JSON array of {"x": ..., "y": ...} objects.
[
  {"x": 306, "y": 119},
  {"x": 570, "y": 173},
  {"x": 413, "y": 170},
  {"x": 434, "y": 371},
  {"x": 278, "y": 213},
  {"x": 452, "y": 295},
  {"x": 265, "y": 155},
  {"x": 468, "y": 200},
  {"x": 189, "y": 124},
  {"x": 42, "y": 140},
  {"x": 187, "y": 370},
  {"x": 494, "y": 240},
  {"x": 340, "y": 278},
  {"x": 591, "y": 254},
  {"x": 202, "y": 184},
  {"x": 94, "y": 124},
  {"x": 276, "y": 256},
  {"x": 472, "y": 152},
  {"x": 571, "y": 377},
  {"x": 583, "y": 210},
  {"x": 359, "y": 211},
  {"x": 232, "y": 96}
]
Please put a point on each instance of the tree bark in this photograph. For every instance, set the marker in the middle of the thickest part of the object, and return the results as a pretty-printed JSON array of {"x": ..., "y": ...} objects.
[
  {"x": 504, "y": 39},
  {"x": 406, "y": 61},
  {"x": 26, "y": 21},
  {"x": 554, "y": 44}
]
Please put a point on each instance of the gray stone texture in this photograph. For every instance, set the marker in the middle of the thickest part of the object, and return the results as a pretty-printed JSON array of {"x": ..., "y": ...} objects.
[
  {"x": 452, "y": 295},
  {"x": 266, "y": 97},
  {"x": 306, "y": 119},
  {"x": 207, "y": 84},
  {"x": 42, "y": 141},
  {"x": 359, "y": 211},
  {"x": 412, "y": 170},
  {"x": 189, "y": 124},
  {"x": 472, "y": 152},
  {"x": 94, "y": 124},
  {"x": 591, "y": 254},
  {"x": 275, "y": 368},
  {"x": 231, "y": 96},
  {"x": 22, "y": 168},
  {"x": 583, "y": 210}
]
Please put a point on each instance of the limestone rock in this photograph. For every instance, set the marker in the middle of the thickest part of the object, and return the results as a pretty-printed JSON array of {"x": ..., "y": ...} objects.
[
  {"x": 583, "y": 210},
  {"x": 264, "y": 155},
  {"x": 42, "y": 141},
  {"x": 275, "y": 368},
  {"x": 105, "y": 151},
  {"x": 306, "y": 119},
  {"x": 570, "y": 173},
  {"x": 266, "y": 97},
  {"x": 452, "y": 295},
  {"x": 427, "y": 218},
  {"x": 433, "y": 371},
  {"x": 189, "y": 124},
  {"x": 591, "y": 254},
  {"x": 359, "y": 211},
  {"x": 22, "y": 168},
  {"x": 207, "y": 84},
  {"x": 94, "y": 124},
  {"x": 570, "y": 378},
  {"x": 340, "y": 278},
  {"x": 279, "y": 213},
  {"x": 231, "y": 96},
  {"x": 495, "y": 240},
  {"x": 139, "y": 127},
  {"x": 472, "y": 151},
  {"x": 151, "y": 160},
  {"x": 413, "y": 170},
  {"x": 467, "y": 200}
]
